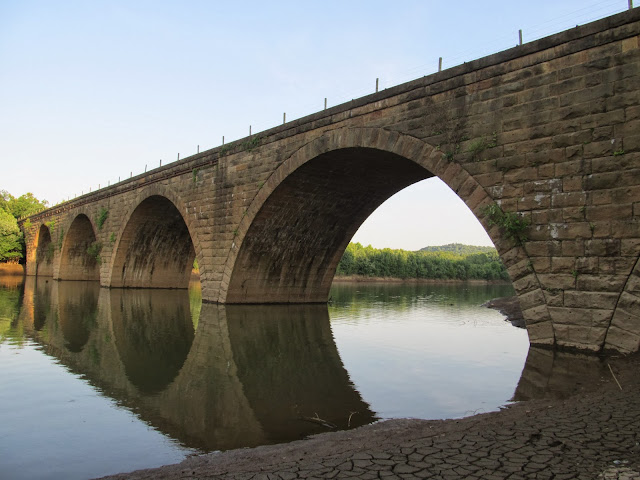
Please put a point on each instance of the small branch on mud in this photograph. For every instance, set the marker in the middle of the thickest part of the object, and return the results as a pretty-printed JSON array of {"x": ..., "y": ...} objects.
[
  {"x": 320, "y": 421},
  {"x": 614, "y": 377},
  {"x": 349, "y": 421}
]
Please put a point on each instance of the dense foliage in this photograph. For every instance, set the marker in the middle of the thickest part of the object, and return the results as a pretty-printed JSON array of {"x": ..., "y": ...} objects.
[
  {"x": 437, "y": 264},
  {"x": 459, "y": 249},
  {"x": 12, "y": 208}
]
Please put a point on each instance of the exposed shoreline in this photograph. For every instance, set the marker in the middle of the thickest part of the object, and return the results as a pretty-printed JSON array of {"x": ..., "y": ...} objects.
[
  {"x": 11, "y": 269},
  {"x": 453, "y": 281},
  {"x": 592, "y": 434}
]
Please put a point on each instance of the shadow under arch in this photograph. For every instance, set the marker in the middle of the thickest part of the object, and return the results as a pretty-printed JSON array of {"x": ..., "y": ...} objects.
[
  {"x": 44, "y": 252},
  {"x": 321, "y": 194},
  {"x": 76, "y": 263},
  {"x": 155, "y": 249}
]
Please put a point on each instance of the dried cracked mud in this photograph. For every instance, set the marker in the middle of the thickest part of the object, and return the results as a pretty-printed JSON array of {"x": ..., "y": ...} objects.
[{"x": 592, "y": 434}]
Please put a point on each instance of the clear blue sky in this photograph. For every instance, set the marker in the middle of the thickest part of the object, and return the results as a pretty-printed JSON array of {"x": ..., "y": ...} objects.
[{"x": 94, "y": 90}]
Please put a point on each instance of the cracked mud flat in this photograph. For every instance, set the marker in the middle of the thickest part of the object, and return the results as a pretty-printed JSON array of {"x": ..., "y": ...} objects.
[{"x": 594, "y": 433}]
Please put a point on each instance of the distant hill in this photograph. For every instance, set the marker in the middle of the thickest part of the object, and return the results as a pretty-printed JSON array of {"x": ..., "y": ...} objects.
[{"x": 459, "y": 249}]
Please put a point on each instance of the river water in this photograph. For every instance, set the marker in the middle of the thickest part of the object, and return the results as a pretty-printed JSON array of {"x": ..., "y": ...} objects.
[{"x": 97, "y": 381}]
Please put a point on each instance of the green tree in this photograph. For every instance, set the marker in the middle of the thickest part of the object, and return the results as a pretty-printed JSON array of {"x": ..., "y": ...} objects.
[
  {"x": 10, "y": 237},
  {"x": 22, "y": 206},
  {"x": 453, "y": 261},
  {"x": 12, "y": 208}
]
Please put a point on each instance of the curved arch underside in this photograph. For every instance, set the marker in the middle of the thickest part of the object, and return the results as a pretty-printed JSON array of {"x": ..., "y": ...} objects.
[
  {"x": 75, "y": 262},
  {"x": 292, "y": 248},
  {"x": 155, "y": 249},
  {"x": 44, "y": 253}
]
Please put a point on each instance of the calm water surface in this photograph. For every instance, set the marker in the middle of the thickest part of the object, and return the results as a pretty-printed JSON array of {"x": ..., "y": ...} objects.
[{"x": 98, "y": 381}]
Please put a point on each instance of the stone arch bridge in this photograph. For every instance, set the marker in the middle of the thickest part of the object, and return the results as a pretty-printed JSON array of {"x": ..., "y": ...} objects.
[{"x": 548, "y": 131}]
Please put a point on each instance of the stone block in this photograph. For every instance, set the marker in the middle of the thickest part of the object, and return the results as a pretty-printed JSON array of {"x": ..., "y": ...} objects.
[
  {"x": 629, "y": 302},
  {"x": 626, "y": 320},
  {"x": 581, "y": 337},
  {"x": 573, "y": 183},
  {"x": 563, "y": 264},
  {"x": 602, "y": 283},
  {"x": 587, "y": 265},
  {"x": 621, "y": 340},
  {"x": 541, "y": 333},
  {"x": 531, "y": 299},
  {"x": 544, "y": 248},
  {"x": 630, "y": 247},
  {"x": 525, "y": 284},
  {"x": 595, "y": 300},
  {"x": 578, "y": 166},
  {"x": 534, "y": 202},
  {"x": 587, "y": 317},
  {"x": 633, "y": 282},
  {"x": 607, "y": 247},
  {"x": 541, "y": 264},
  {"x": 557, "y": 281},
  {"x": 554, "y": 298},
  {"x": 519, "y": 269},
  {"x": 568, "y": 199},
  {"x": 536, "y": 315},
  {"x": 616, "y": 265}
]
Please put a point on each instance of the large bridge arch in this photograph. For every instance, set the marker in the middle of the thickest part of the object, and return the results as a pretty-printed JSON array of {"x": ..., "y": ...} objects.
[
  {"x": 155, "y": 247},
  {"x": 288, "y": 245},
  {"x": 77, "y": 261}
]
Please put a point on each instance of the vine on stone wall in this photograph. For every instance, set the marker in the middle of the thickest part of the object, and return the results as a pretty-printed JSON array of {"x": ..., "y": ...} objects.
[
  {"x": 94, "y": 250},
  {"x": 515, "y": 226},
  {"x": 102, "y": 217}
]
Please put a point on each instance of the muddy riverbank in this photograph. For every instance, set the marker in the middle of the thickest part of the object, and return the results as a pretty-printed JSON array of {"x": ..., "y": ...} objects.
[{"x": 592, "y": 433}]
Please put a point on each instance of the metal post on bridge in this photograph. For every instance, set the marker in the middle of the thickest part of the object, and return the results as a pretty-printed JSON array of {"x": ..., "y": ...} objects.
[
  {"x": 325, "y": 103},
  {"x": 377, "y": 84},
  {"x": 630, "y": 4},
  {"x": 284, "y": 118},
  {"x": 520, "y": 34},
  {"x": 440, "y": 64}
]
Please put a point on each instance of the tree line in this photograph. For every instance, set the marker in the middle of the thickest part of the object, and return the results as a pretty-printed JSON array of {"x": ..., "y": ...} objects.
[
  {"x": 446, "y": 263},
  {"x": 11, "y": 209}
]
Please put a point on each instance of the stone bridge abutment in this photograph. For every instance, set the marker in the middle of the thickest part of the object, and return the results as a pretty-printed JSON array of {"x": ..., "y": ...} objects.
[{"x": 547, "y": 133}]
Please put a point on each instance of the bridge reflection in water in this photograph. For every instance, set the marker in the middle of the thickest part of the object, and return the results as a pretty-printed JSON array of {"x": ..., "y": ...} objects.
[
  {"x": 245, "y": 376},
  {"x": 217, "y": 377}
]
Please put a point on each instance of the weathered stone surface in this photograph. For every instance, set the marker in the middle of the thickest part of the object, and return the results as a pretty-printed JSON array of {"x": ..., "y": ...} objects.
[{"x": 546, "y": 130}]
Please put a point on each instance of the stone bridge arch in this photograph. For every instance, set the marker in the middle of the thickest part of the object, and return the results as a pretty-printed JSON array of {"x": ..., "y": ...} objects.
[
  {"x": 77, "y": 260},
  {"x": 45, "y": 250},
  {"x": 155, "y": 247},
  {"x": 291, "y": 238}
]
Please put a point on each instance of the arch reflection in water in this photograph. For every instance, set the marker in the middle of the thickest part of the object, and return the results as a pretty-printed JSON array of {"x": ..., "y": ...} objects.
[
  {"x": 289, "y": 365},
  {"x": 41, "y": 300},
  {"x": 248, "y": 376},
  {"x": 153, "y": 333},
  {"x": 557, "y": 375},
  {"x": 78, "y": 310}
]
